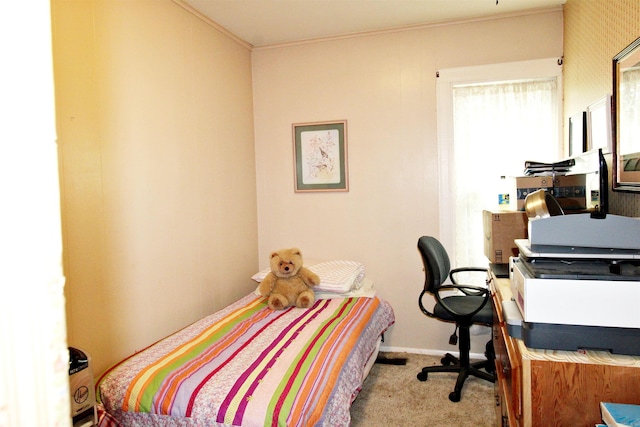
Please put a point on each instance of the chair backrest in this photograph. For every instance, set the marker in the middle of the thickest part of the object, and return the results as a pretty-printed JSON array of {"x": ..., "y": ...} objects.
[{"x": 436, "y": 262}]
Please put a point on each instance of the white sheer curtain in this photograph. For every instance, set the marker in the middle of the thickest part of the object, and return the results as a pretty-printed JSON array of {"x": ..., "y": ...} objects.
[{"x": 496, "y": 128}]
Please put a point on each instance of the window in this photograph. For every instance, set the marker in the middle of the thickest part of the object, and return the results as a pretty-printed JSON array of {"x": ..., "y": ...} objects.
[{"x": 490, "y": 121}]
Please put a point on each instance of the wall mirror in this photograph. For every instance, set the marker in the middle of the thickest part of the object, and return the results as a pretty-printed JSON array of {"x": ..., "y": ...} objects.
[{"x": 626, "y": 120}]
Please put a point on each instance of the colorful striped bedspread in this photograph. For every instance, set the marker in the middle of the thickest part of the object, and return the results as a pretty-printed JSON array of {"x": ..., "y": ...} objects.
[{"x": 248, "y": 365}]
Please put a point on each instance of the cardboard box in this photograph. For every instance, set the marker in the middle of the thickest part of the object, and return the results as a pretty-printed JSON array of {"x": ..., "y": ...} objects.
[
  {"x": 526, "y": 185},
  {"x": 570, "y": 190},
  {"x": 501, "y": 228}
]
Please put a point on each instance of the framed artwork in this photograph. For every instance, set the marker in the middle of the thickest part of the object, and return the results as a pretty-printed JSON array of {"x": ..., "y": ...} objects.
[
  {"x": 599, "y": 125},
  {"x": 578, "y": 133},
  {"x": 320, "y": 156}
]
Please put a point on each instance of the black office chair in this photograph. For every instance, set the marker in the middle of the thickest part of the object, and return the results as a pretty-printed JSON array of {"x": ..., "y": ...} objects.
[{"x": 470, "y": 305}]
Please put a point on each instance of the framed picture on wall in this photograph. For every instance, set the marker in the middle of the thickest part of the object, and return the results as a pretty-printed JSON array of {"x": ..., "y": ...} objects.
[
  {"x": 578, "y": 133},
  {"x": 599, "y": 125},
  {"x": 320, "y": 156}
]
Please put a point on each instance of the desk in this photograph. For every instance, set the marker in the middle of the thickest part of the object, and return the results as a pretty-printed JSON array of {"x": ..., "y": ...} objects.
[{"x": 551, "y": 387}]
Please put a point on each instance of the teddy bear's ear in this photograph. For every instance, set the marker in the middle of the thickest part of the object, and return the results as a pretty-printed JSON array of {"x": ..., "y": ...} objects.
[
  {"x": 296, "y": 251},
  {"x": 273, "y": 254}
]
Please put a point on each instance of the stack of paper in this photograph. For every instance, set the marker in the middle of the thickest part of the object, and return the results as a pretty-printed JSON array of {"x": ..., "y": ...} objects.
[{"x": 532, "y": 168}]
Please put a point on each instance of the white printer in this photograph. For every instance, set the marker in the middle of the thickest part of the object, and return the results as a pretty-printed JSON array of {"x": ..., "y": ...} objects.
[{"x": 576, "y": 284}]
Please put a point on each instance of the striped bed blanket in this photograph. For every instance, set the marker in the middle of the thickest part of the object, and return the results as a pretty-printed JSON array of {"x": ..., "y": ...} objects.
[{"x": 248, "y": 365}]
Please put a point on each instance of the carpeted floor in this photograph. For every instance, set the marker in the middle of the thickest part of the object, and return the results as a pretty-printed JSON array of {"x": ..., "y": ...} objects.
[{"x": 393, "y": 396}]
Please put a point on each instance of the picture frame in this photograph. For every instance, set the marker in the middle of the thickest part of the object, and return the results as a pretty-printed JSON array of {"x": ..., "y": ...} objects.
[
  {"x": 578, "y": 133},
  {"x": 320, "y": 156},
  {"x": 599, "y": 125}
]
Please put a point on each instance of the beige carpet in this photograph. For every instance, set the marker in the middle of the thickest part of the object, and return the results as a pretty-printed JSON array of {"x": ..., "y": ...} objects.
[{"x": 393, "y": 396}]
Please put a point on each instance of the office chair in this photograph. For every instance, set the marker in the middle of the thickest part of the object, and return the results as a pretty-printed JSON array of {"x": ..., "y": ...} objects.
[{"x": 470, "y": 305}]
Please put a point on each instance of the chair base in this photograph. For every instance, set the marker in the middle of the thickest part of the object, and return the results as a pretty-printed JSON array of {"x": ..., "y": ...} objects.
[{"x": 450, "y": 363}]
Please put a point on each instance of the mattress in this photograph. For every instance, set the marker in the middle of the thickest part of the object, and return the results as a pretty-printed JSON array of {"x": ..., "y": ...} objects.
[{"x": 248, "y": 365}]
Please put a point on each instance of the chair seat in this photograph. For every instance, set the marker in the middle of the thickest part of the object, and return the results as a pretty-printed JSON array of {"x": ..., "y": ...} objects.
[{"x": 465, "y": 304}]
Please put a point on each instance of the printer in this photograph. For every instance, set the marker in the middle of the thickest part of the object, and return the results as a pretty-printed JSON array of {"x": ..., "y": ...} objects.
[{"x": 576, "y": 284}]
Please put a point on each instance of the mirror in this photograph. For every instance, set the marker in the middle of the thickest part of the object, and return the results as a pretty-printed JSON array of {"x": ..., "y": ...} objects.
[{"x": 626, "y": 120}]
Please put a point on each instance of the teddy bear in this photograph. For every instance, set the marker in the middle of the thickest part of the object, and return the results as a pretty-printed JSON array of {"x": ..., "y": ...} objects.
[{"x": 288, "y": 283}]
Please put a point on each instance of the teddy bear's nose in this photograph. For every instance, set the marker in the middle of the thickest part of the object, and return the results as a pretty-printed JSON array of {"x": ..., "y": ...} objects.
[{"x": 286, "y": 268}]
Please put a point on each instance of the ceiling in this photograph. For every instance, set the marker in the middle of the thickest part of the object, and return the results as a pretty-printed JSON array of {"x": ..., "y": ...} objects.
[{"x": 269, "y": 22}]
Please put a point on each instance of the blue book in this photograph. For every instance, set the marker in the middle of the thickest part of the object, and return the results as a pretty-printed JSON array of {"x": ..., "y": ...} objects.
[{"x": 620, "y": 414}]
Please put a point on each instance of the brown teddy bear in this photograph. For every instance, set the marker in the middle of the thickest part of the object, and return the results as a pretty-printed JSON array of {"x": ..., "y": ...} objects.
[{"x": 288, "y": 283}]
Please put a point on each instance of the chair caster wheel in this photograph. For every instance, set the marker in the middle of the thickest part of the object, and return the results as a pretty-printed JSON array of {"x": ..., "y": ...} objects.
[
  {"x": 422, "y": 376},
  {"x": 447, "y": 360},
  {"x": 454, "y": 396}
]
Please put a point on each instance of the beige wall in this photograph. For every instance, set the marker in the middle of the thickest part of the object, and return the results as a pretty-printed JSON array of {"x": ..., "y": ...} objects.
[
  {"x": 384, "y": 86},
  {"x": 595, "y": 31},
  {"x": 155, "y": 133}
]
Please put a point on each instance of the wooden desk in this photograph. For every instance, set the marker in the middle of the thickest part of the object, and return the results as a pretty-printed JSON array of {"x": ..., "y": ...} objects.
[{"x": 551, "y": 387}]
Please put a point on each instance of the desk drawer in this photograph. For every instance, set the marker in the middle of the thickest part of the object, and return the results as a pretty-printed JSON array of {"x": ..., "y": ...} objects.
[{"x": 508, "y": 373}]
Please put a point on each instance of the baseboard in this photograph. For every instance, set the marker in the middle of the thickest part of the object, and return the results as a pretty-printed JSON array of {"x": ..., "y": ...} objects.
[{"x": 428, "y": 352}]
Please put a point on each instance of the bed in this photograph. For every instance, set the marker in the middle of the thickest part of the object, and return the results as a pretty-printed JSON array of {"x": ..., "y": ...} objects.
[{"x": 247, "y": 365}]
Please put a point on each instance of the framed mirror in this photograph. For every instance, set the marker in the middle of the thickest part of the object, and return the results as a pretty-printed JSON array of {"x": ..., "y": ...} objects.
[{"x": 626, "y": 118}]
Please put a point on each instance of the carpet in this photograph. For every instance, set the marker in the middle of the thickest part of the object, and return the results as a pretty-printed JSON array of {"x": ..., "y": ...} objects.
[{"x": 393, "y": 396}]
